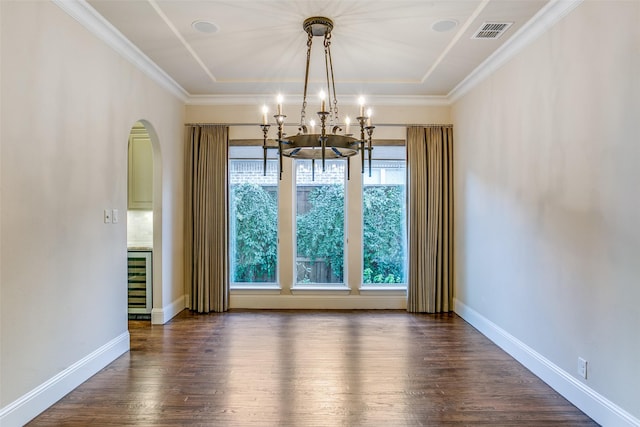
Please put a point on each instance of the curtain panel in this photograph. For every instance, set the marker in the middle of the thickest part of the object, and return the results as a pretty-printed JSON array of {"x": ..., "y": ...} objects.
[
  {"x": 206, "y": 269},
  {"x": 430, "y": 218}
]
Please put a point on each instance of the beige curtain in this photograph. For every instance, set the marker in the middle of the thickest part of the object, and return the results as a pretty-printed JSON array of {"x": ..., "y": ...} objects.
[
  {"x": 430, "y": 218},
  {"x": 206, "y": 273}
]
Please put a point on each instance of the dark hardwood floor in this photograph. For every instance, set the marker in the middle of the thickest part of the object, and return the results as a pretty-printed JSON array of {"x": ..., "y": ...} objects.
[{"x": 312, "y": 368}]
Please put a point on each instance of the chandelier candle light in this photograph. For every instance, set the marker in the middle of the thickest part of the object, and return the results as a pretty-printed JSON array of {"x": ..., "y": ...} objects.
[{"x": 331, "y": 142}]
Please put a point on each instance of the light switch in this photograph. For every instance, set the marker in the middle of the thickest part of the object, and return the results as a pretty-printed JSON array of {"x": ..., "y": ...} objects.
[
  {"x": 107, "y": 216},
  {"x": 115, "y": 216}
]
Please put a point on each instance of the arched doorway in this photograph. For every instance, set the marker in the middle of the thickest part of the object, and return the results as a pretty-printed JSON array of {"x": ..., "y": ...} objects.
[{"x": 143, "y": 221}]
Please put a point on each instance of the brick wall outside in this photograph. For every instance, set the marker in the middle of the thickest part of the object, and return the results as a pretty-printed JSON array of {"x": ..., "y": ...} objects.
[{"x": 241, "y": 171}]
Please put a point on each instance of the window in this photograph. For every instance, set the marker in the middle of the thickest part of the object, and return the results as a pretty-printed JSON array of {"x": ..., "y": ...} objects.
[
  {"x": 384, "y": 224},
  {"x": 253, "y": 218},
  {"x": 320, "y": 222},
  {"x": 310, "y": 209}
]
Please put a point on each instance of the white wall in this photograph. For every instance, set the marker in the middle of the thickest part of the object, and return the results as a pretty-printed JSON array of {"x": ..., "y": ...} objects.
[
  {"x": 68, "y": 104},
  {"x": 547, "y": 205}
]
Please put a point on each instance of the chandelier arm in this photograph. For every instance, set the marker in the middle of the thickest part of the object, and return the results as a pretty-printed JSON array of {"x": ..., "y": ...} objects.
[
  {"x": 362, "y": 119},
  {"x": 265, "y": 131},
  {"x": 323, "y": 137},
  {"x": 370, "y": 149},
  {"x": 306, "y": 80},
  {"x": 280, "y": 119}
]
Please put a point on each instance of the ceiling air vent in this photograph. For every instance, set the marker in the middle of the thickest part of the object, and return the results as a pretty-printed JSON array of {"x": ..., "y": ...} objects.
[{"x": 491, "y": 30}]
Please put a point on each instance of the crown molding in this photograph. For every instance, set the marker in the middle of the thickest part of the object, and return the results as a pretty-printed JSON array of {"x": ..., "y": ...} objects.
[
  {"x": 548, "y": 16},
  {"x": 87, "y": 16},
  {"x": 407, "y": 100}
]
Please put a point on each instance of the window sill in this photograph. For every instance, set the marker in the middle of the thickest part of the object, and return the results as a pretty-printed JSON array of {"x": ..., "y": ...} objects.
[
  {"x": 382, "y": 290},
  {"x": 320, "y": 289},
  {"x": 253, "y": 288}
]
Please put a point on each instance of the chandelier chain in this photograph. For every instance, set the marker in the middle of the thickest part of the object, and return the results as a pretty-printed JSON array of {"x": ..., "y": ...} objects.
[
  {"x": 306, "y": 81},
  {"x": 333, "y": 114},
  {"x": 332, "y": 108}
]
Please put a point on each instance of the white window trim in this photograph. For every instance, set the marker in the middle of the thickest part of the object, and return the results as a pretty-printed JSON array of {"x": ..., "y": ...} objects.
[
  {"x": 285, "y": 293},
  {"x": 377, "y": 288},
  {"x": 318, "y": 288},
  {"x": 307, "y": 288},
  {"x": 258, "y": 287},
  {"x": 255, "y": 288},
  {"x": 382, "y": 290}
]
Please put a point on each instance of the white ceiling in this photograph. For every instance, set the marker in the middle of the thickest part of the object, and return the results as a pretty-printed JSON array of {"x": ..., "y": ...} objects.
[{"x": 380, "y": 48}]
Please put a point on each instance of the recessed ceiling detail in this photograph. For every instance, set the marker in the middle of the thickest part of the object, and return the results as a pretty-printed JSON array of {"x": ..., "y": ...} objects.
[
  {"x": 254, "y": 49},
  {"x": 491, "y": 30}
]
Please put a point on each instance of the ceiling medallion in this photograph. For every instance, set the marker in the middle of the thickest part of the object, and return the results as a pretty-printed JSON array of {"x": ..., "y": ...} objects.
[{"x": 333, "y": 141}]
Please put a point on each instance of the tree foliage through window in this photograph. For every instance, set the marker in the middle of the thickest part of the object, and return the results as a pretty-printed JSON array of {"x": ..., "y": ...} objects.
[
  {"x": 383, "y": 234},
  {"x": 320, "y": 232},
  {"x": 321, "y": 229},
  {"x": 256, "y": 233}
]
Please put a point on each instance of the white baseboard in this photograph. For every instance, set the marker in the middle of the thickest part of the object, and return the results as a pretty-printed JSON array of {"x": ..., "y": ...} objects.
[
  {"x": 602, "y": 410},
  {"x": 319, "y": 302},
  {"x": 28, "y": 406},
  {"x": 160, "y": 316}
]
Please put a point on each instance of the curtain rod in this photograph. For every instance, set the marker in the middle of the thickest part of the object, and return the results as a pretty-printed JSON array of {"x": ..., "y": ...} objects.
[{"x": 298, "y": 124}]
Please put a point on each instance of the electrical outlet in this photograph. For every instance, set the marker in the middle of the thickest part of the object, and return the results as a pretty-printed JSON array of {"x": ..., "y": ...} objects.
[{"x": 582, "y": 367}]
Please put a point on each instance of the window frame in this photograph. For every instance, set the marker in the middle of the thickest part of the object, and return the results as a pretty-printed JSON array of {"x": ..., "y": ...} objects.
[
  {"x": 254, "y": 287},
  {"x": 267, "y": 295},
  {"x": 322, "y": 287},
  {"x": 378, "y": 288}
]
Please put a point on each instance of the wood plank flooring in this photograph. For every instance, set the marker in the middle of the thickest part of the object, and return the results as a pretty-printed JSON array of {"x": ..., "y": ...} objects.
[{"x": 312, "y": 368}]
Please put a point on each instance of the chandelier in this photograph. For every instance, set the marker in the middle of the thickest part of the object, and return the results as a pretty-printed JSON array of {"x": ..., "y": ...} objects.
[{"x": 333, "y": 140}]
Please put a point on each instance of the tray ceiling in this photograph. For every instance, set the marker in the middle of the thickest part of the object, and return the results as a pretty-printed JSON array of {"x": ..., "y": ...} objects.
[{"x": 381, "y": 48}]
